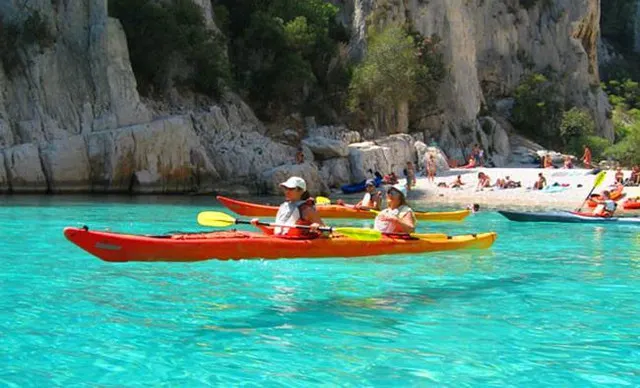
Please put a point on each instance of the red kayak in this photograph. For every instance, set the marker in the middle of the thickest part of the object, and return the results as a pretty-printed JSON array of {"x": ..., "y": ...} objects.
[
  {"x": 631, "y": 204},
  {"x": 235, "y": 245}
]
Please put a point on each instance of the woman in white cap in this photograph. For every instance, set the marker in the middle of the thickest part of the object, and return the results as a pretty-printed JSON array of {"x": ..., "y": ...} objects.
[
  {"x": 398, "y": 217},
  {"x": 298, "y": 209},
  {"x": 371, "y": 199}
]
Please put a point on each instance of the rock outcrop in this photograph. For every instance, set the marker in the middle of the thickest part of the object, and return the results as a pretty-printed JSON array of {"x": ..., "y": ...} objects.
[
  {"x": 423, "y": 152},
  {"x": 488, "y": 47},
  {"x": 323, "y": 148},
  {"x": 389, "y": 154},
  {"x": 271, "y": 179}
]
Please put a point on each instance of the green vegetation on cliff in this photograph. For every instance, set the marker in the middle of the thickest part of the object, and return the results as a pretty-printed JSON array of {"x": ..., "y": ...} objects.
[
  {"x": 282, "y": 56},
  {"x": 625, "y": 99},
  {"x": 542, "y": 115},
  {"x": 286, "y": 54},
  {"x": 538, "y": 109},
  {"x": 400, "y": 67},
  {"x": 169, "y": 44}
]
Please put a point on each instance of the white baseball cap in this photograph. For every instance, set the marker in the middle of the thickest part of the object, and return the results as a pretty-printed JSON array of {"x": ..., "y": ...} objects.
[
  {"x": 295, "y": 182},
  {"x": 402, "y": 189}
]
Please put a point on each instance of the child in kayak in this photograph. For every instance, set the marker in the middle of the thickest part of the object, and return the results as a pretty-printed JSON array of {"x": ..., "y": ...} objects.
[
  {"x": 298, "y": 209},
  {"x": 398, "y": 217},
  {"x": 371, "y": 199},
  {"x": 606, "y": 206}
]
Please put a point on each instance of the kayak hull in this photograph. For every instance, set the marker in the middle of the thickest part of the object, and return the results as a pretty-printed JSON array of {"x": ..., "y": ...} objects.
[
  {"x": 235, "y": 245},
  {"x": 631, "y": 204},
  {"x": 248, "y": 209},
  {"x": 567, "y": 217}
]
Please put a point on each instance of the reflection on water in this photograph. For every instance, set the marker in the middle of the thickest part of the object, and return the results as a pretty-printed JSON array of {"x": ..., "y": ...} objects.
[{"x": 287, "y": 310}]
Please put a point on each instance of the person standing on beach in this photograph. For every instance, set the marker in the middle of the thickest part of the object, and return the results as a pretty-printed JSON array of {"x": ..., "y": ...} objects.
[
  {"x": 431, "y": 168},
  {"x": 411, "y": 175},
  {"x": 586, "y": 157}
]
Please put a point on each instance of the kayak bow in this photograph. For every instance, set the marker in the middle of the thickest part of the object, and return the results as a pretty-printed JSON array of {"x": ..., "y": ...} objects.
[{"x": 235, "y": 245}]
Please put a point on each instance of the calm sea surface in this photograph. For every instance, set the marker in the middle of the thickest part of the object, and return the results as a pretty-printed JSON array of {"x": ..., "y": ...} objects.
[{"x": 554, "y": 305}]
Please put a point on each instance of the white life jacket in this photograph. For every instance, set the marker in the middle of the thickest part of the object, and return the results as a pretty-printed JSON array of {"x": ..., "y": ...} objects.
[
  {"x": 610, "y": 205},
  {"x": 288, "y": 214},
  {"x": 388, "y": 227},
  {"x": 366, "y": 200}
]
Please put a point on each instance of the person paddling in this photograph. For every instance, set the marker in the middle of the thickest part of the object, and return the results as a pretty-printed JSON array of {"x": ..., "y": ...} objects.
[
  {"x": 606, "y": 206},
  {"x": 298, "y": 209},
  {"x": 398, "y": 217},
  {"x": 372, "y": 199}
]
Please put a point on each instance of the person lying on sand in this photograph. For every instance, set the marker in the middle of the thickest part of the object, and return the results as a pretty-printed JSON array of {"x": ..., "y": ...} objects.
[{"x": 507, "y": 183}]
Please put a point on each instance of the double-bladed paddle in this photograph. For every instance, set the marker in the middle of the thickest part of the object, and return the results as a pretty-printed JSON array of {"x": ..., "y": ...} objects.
[
  {"x": 597, "y": 182},
  {"x": 221, "y": 220}
]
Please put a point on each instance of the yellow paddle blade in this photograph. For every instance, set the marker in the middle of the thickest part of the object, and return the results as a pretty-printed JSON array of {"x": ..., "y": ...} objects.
[
  {"x": 323, "y": 201},
  {"x": 599, "y": 179},
  {"x": 360, "y": 233},
  {"x": 374, "y": 211},
  {"x": 215, "y": 219}
]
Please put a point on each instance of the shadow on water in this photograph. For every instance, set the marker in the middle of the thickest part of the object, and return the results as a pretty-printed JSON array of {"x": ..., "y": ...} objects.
[{"x": 345, "y": 310}]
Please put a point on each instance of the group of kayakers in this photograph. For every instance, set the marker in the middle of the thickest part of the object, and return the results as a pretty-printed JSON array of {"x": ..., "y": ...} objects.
[{"x": 299, "y": 209}]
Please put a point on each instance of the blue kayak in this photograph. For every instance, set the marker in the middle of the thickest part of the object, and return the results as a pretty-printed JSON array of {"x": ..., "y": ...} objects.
[
  {"x": 564, "y": 216},
  {"x": 358, "y": 187}
]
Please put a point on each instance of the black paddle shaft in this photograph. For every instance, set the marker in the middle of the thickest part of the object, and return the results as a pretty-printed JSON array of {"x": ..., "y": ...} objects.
[{"x": 322, "y": 229}]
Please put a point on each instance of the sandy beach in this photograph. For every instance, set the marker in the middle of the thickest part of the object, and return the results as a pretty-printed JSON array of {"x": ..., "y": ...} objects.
[{"x": 427, "y": 194}]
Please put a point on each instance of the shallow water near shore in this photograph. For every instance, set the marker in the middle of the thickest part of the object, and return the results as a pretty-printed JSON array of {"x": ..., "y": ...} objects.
[{"x": 547, "y": 305}]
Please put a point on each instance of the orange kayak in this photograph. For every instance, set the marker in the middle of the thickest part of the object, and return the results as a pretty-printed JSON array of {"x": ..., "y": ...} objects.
[
  {"x": 249, "y": 209},
  {"x": 235, "y": 245}
]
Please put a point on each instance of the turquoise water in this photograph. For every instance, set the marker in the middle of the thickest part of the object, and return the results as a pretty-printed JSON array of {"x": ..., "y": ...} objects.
[{"x": 548, "y": 305}]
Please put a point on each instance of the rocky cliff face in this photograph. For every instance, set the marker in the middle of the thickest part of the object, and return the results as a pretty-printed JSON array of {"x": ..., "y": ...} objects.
[
  {"x": 71, "y": 118},
  {"x": 488, "y": 47}
]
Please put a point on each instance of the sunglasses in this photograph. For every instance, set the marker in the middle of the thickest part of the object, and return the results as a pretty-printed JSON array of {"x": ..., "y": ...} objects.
[{"x": 393, "y": 192}]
